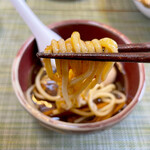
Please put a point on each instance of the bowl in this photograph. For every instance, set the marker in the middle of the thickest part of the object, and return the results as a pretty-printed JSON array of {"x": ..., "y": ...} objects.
[
  {"x": 26, "y": 65},
  {"x": 143, "y": 9}
]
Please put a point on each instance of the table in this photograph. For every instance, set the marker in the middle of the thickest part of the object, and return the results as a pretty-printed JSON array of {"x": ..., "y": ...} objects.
[{"x": 18, "y": 130}]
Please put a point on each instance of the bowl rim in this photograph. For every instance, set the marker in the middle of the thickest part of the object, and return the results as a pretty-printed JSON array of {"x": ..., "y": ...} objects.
[{"x": 74, "y": 126}]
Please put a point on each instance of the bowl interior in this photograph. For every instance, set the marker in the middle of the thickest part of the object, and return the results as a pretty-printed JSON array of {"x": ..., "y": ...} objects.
[{"x": 30, "y": 64}]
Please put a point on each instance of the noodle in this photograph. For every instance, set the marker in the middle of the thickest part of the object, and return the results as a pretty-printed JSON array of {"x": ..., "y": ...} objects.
[{"x": 79, "y": 82}]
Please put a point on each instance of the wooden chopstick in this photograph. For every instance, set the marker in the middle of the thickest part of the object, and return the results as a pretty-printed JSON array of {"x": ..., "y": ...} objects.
[
  {"x": 117, "y": 57},
  {"x": 134, "y": 47},
  {"x": 127, "y": 53}
]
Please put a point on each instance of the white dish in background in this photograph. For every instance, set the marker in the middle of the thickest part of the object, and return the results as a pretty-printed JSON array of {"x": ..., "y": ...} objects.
[{"x": 144, "y": 10}]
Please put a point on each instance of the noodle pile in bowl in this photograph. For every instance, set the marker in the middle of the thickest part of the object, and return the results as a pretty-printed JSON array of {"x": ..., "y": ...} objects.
[{"x": 75, "y": 90}]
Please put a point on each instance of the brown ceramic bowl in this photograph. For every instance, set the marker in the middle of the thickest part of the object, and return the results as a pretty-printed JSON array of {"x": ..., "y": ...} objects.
[{"x": 26, "y": 65}]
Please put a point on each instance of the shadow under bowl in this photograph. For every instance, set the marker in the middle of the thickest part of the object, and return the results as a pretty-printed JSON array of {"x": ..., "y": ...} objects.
[{"x": 26, "y": 66}]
